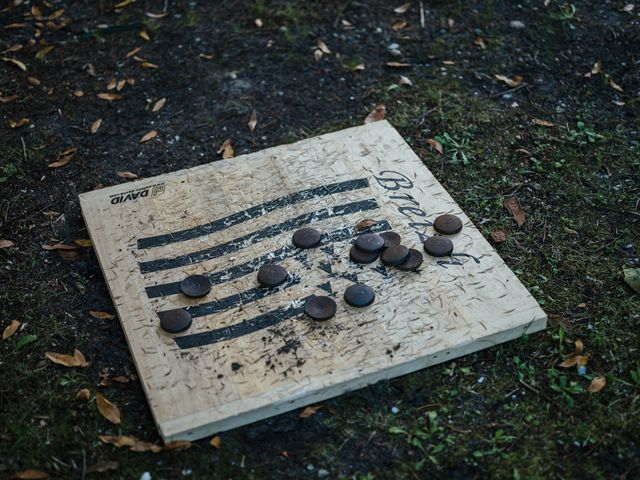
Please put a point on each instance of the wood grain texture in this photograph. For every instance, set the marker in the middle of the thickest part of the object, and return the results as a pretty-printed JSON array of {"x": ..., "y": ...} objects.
[{"x": 250, "y": 353}]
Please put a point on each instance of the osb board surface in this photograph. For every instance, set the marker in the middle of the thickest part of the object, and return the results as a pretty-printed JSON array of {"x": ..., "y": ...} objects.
[{"x": 252, "y": 353}]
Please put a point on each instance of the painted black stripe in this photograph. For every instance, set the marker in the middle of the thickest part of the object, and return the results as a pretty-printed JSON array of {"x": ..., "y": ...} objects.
[
  {"x": 239, "y": 329},
  {"x": 236, "y": 300},
  {"x": 251, "y": 213},
  {"x": 245, "y": 240},
  {"x": 252, "y": 266}
]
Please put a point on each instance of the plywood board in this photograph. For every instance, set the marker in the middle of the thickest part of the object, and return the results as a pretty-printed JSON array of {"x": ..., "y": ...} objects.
[{"x": 252, "y": 353}]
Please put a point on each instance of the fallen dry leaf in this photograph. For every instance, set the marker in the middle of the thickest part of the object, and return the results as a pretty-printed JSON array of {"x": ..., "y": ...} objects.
[
  {"x": 615, "y": 86},
  {"x": 33, "y": 81},
  {"x": 103, "y": 466},
  {"x": 101, "y": 315},
  {"x": 78, "y": 93},
  {"x": 107, "y": 409},
  {"x": 144, "y": 35},
  {"x": 43, "y": 52},
  {"x": 58, "y": 246},
  {"x": 129, "y": 175},
  {"x": 436, "y": 145},
  {"x": 84, "y": 242},
  {"x": 120, "y": 85},
  {"x": 317, "y": 54},
  {"x": 226, "y": 149},
  {"x": 148, "y": 65},
  {"x": 480, "y": 43},
  {"x": 376, "y": 114},
  {"x": 597, "y": 68},
  {"x": 397, "y": 64},
  {"x": 75, "y": 360},
  {"x": 258, "y": 22},
  {"x": 309, "y": 411},
  {"x": 30, "y": 474},
  {"x": 511, "y": 82},
  {"x": 628, "y": 8},
  {"x": 6, "y": 243},
  {"x": 17, "y": 124},
  {"x": 95, "y": 126},
  {"x": 596, "y": 384},
  {"x": 513, "y": 205},
  {"x": 83, "y": 394},
  {"x": 397, "y": 26},
  {"x": 403, "y": 8},
  {"x": 8, "y": 99},
  {"x": 543, "y": 123},
  {"x": 365, "y": 224},
  {"x": 177, "y": 445},
  {"x": 148, "y": 136},
  {"x": 133, "y": 443},
  {"x": 110, "y": 97},
  {"x": 131, "y": 53},
  {"x": 64, "y": 157},
  {"x": 323, "y": 47},
  {"x": 405, "y": 81},
  {"x": 159, "y": 104},
  {"x": 253, "y": 121},
  {"x": 13, "y": 48},
  {"x": 215, "y": 442},
  {"x": 10, "y": 329},
  {"x": 498, "y": 236},
  {"x": 16, "y": 62},
  {"x": 112, "y": 84}
]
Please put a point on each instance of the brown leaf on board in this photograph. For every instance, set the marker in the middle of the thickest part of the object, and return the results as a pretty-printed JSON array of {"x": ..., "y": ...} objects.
[
  {"x": 59, "y": 246},
  {"x": 107, "y": 409},
  {"x": 365, "y": 224},
  {"x": 397, "y": 26},
  {"x": 159, "y": 104},
  {"x": 226, "y": 149},
  {"x": 323, "y": 47},
  {"x": 10, "y": 329},
  {"x": 129, "y": 175},
  {"x": 513, "y": 205},
  {"x": 436, "y": 145},
  {"x": 103, "y": 466},
  {"x": 110, "y": 97},
  {"x": 215, "y": 442},
  {"x": 101, "y": 315},
  {"x": 498, "y": 236},
  {"x": 397, "y": 64},
  {"x": 30, "y": 474},
  {"x": 376, "y": 114},
  {"x": 543, "y": 123},
  {"x": 511, "y": 82},
  {"x": 75, "y": 360},
  {"x": 596, "y": 384},
  {"x": 83, "y": 394},
  {"x": 177, "y": 445},
  {"x": 16, "y": 62},
  {"x": 20, "y": 123},
  {"x": 64, "y": 157},
  {"x": 148, "y": 136},
  {"x": 5, "y": 243},
  {"x": 95, "y": 126},
  {"x": 403, "y": 8},
  {"x": 253, "y": 121},
  {"x": 309, "y": 411}
]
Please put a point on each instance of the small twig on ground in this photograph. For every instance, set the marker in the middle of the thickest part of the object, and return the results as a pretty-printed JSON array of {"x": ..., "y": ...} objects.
[
  {"x": 511, "y": 90},
  {"x": 422, "y": 14},
  {"x": 24, "y": 149}
]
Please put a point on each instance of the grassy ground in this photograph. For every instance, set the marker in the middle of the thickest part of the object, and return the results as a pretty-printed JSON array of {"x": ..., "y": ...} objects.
[{"x": 506, "y": 412}]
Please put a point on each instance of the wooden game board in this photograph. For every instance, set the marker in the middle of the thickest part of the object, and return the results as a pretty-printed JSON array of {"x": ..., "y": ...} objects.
[{"x": 252, "y": 353}]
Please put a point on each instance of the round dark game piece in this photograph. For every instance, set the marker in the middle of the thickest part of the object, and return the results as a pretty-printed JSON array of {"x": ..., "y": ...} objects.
[
  {"x": 447, "y": 224},
  {"x": 438, "y": 246},
  {"x": 370, "y": 243},
  {"x": 320, "y": 307},
  {"x": 390, "y": 239},
  {"x": 271, "y": 276},
  {"x": 306, "y": 238},
  {"x": 413, "y": 261},
  {"x": 359, "y": 295},
  {"x": 359, "y": 256},
  {"x": 394, "y": 255},
  {"x": 195, "y": 286},
  {"x": 175, "y": 321}
]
